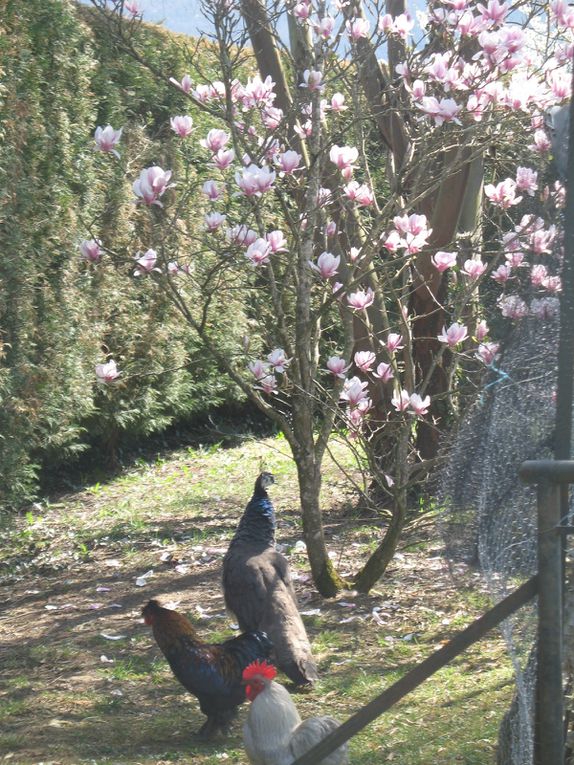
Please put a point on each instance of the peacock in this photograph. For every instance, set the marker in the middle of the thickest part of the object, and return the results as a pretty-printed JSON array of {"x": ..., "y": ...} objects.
[{"x": 257, "y": 587}]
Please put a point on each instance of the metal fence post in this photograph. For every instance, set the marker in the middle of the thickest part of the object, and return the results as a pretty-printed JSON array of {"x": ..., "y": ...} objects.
[{"x": 549, "y": 731}]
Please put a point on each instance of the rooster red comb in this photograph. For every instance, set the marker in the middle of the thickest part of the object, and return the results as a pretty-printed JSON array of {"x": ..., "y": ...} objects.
[{"x": 261, "y": 668}]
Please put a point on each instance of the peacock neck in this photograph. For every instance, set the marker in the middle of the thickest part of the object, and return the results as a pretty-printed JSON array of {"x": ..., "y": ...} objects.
[{"x": 258, "y": 521}]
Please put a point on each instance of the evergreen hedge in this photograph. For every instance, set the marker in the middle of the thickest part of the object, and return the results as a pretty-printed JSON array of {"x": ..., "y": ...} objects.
[{"x": 59, "y": 315}]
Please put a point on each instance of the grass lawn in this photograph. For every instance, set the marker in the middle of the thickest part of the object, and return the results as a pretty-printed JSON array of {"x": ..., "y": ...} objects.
[{"x": 82, "y": 681}]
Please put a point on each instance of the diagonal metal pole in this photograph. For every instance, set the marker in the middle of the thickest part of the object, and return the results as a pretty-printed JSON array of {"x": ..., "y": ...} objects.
[{"x": 420, "y": 673}]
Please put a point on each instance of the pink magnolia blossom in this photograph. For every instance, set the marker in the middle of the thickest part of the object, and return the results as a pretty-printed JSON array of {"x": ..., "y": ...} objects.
[
  {"x": 258, "y": 368},
  {"x": 364, "y": 360},
  {"x": 403, "y": 25},
  {"x": 212, "y": 190},
  {"x": 560, "y": 84},
  {"x": 400, "y": 25},
  {"x": 442, "y": 260},
  {"x": 324, "y": 197},
  {"x": 358, "y": 28},
  {"x": 223, "y": 158},
  {"x": 107, "y": 372},
  {"x": 330, "y": 229},
  {"x": 278, "y": 360},
  {"x": 288, "y": 161},
  {"x": 182, "y": 125},
  {"x": 132, "y": 7},
  {"x": 502, "y": 274},
  {"x": 418, "y": 90},
  {"x": 344, "y": 157},
  {"x": 454, "y": 335},
  {"x": 526, "y": 180},
  {"x": 420, "y": 406},
  {"x": 414, "y": 243},
  {"x": 538, "y": 275},
  {"x": 241, "y": 235},
  {"x": 562, "y": 12},
  {"x": 304, "y": 130},
  {"x": 185, "y": 84},
  {"x": 445, "y": 110},
  {"x": 302, "y": 11},
  {"x": 360, "y": 299},
  {"x": 503, "y": 194},
  {"x": 258, "y": 252},
  {"x": 151, "y": 185},
  {"x": 512, "y": 307},
  {"x": 359, "y": 193},
  {"x": 268, "y": 384},
  {"x": 552, "y": 284},
  {"x": 477, "y": 105},
  {"x": 440, "y": 70},
  {"x": 337, "y": 366},
  {"x": 481, "y": 330},
  {"x": 354, "y": 391},
  {"x": 386, "y": 23},
  {"x": 324, "y": 27},
  {"x": 172, "y": 268},
  {"x": 145, "y": 262},
  {"x": 272, "y": 117},
  {"x": 395, "y": 342},
  {"x": 312, "y": 79},
  {"x": 384, "y": 372},
  {"x": 393, "y": 241},
  {"x": 487, "y": 352},
  {"x": 214, "y": 220},
  {"x": 91, "y": 250},
  {"x": 215, "y": 140},
  {"x": 107, "y": 139},
  {"x": 541, "y": 240},
  {"x": 254, "y": 181},
  {"x": 356, "y": 417},
  {"x": 473, "y": 268},
  {"x": 493, "y": 11},
  {"x": 327, "y": 265},
  {"x": 542, "y": 143},
  {"x": 411, "y": 224},
  {"x": 259, "y": 92},
  {"x": 338, "y": 102},
  {"x": 277, "y": 241},
  {"x": 401, "y": 400}
]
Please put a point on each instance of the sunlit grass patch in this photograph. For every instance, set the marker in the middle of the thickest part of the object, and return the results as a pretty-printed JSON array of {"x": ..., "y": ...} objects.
[{"x": 116, "y": 702}]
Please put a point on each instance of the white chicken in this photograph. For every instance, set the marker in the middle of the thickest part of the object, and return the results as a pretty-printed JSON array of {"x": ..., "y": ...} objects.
[{"x": 274, "y": 733}]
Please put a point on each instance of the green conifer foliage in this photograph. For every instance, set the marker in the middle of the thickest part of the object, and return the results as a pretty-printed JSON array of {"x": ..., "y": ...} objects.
[{"x": 60, "y": 315}]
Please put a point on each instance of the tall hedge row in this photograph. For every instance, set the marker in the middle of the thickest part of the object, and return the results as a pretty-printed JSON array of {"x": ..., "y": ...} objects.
[{"x": 59, "y": 315}]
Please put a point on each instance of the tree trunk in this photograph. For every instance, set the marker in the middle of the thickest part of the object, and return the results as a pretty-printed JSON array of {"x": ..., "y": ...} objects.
[
  {"x": 326, "y": 579},
  {"x": 377, "y": 564}
]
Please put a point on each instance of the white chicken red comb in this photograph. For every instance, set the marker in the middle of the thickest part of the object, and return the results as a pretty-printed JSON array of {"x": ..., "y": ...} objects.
[{"x": 259, "y": 668}]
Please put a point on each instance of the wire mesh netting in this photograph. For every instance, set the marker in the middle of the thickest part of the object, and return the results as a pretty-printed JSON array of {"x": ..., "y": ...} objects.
[{"x": 489, "y": 515}]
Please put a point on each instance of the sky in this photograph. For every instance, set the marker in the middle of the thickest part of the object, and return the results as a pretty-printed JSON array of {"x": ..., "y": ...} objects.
[{"x": 178, "y": 15}]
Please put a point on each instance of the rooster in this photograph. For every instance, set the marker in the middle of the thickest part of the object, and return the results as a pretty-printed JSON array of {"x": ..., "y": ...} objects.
[
  {"x": 273, "y": 733},
  {"x": 258, "y": 589},
  {"x": 212, "y": 672}
]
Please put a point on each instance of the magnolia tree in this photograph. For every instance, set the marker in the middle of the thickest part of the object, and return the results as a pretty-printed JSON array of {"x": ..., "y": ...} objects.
[{"x": 368, "y": 186}]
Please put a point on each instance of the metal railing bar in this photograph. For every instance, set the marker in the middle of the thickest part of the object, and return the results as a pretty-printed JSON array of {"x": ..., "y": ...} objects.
[
  {"x": 419, "y": 674},
  {"x": 554, "y": 471}
]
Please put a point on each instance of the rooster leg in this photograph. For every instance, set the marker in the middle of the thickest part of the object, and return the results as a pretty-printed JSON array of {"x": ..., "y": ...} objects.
[{"x": 216, "y": 724}]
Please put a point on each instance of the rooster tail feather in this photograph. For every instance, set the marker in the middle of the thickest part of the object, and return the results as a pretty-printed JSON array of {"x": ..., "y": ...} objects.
[{"x": 249, "y": 647}]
